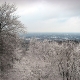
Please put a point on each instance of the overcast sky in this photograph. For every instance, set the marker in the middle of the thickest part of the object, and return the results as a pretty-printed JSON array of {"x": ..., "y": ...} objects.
[{"x": 48, "y": 15}]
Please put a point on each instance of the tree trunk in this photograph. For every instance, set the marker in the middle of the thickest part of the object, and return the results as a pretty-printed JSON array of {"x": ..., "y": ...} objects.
[
  {"x": 63, "y": 76},
  {"x": 1, "y": 41},
  {"x": 1, "y": 49}
]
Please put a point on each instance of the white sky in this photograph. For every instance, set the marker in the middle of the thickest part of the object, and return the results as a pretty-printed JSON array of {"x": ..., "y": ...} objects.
[{"x": 49, "y": 15}]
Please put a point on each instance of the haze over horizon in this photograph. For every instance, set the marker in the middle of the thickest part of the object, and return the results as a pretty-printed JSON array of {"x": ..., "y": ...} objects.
[{"x": 48, "y": 15}]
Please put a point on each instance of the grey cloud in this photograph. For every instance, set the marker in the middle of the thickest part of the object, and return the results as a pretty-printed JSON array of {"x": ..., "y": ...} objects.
[
  {"x": 69, "y": 8},
  {"x": 67, "y": 4},
  {"x": 62, "y": 2},
  {"x": 19, "y": 2},
  {"x": 72, "y": 4}
]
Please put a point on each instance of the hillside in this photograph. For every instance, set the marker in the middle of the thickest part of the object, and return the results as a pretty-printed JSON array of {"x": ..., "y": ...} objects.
[{"x": 44, "y": 60}]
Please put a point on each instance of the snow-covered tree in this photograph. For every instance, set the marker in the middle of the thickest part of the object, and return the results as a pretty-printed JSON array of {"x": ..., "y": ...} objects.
[{"x": 10, "y": 26}]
